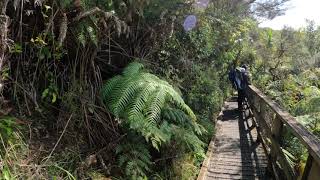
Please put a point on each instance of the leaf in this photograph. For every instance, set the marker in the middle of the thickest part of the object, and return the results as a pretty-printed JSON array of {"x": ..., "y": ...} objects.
[
  {"x": 45, "y": 93},
  {"x": 47, "y": 7},
  {"x": 54, "y": 98},
  {"x": 6, "y": 173},
  {"x": 17, "y": 48},
  {"x": 40, "y": 41},
  {"x": 44, "y": 15}
]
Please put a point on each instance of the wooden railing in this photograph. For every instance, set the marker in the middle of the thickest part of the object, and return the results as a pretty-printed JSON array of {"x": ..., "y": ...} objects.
[{"x": 271, "y": 122}]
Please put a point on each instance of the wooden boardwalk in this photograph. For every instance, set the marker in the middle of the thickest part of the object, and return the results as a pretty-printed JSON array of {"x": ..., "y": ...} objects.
[{"x": 234, "y": 153}]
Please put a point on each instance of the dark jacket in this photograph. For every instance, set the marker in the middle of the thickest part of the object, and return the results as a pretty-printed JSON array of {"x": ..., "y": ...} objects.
[{"x": 240, "y": 78}]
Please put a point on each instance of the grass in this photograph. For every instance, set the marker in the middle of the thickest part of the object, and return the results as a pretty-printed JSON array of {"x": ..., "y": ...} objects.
[{"x": 19, "y": 161}]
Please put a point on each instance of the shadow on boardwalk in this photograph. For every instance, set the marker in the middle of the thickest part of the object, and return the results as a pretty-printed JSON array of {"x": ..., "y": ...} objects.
[{"x": 235, "y": 154}]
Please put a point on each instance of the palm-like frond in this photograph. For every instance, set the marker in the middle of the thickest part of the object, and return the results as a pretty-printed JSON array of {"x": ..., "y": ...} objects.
[
  {"x": 139, "y": 98},
  {"x": 134, "y": 68},
  {"x": 188, "y": 137}
]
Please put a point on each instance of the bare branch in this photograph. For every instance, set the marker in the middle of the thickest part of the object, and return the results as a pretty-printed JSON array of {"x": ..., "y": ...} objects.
[
  {"x": 4, "y": 21},
  {"x": 63, "y": 29}
]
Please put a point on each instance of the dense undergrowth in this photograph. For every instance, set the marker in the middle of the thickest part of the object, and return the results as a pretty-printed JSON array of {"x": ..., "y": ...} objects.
[{"x": 121, "y": 89}]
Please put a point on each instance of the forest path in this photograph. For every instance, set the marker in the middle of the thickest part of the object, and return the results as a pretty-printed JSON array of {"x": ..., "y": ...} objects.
[{"x": 234, "y": 152}]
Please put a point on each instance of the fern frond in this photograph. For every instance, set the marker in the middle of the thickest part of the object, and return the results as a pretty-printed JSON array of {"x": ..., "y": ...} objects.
[
  {"x": 139, "y": 98},
  {"x": 289, "y": 157},
  {"x": 155, "y": 104},
  {"x": 107, "y": 89},
  {"x": 177, "y": 116},
  {"x": 191, "y": 141},
  {"x": 138, "y": 103},
  {"x": 134, "y": 157},
  {"x": 132, "y": 68},
  {"x": 119, "y": 104}
]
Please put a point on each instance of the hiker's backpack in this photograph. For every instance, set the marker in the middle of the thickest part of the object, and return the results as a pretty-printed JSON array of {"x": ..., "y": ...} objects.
[{"x": 232, "y": 78}]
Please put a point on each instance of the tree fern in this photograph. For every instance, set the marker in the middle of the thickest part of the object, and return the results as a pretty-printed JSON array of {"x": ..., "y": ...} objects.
[
  {"x": 189, "y": 140},
  {"x": 151, "y": 109},
  {"x": 134, "y": 156},
  {"x": 139, "y": 98},
  {"x": 178, "y": 117}
]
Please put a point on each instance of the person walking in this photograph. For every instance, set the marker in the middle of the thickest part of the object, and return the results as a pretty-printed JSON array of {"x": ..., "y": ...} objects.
[{"x": 240, "y": 79}]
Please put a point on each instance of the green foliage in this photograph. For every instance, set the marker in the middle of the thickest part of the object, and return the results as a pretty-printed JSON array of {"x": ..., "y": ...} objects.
[
  {"x": 287, "y": 72},
  {"x": 10, "y": 149},
  {"x": 86, "y": 33},
  {"x": 309, "y": 106},
  {"x": 51, "y": 92},
  {"x": 7, "y": 125},
  {"x": 139, "y": 97},
  {"x": 289, "y": 157},
  {"x": 151, "y": 108},
  {"x": 135, "y": 157},
  {"x": 185, "y": 168},
  {"x": 206, "y": 95},
  {"x": 16, "y": 48},
  {"x": 15, "y": 151}
]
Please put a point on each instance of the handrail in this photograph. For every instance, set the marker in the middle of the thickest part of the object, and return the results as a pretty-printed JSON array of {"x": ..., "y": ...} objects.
[{"x": 272, "y": 132}]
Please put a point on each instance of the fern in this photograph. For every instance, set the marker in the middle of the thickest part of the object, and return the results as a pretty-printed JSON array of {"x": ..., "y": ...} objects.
[
  {"x": 189, "y": 140},
  {"x": 178, "y": 117},
  {"x": 134, "y": 156},
  {"x": 289, "y": 157},
  {"x": 139, "y": 98},
  {"x": 154, "y": 114}
]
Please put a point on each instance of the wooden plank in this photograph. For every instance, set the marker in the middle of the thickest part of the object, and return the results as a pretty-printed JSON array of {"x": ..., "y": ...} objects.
[
  {"x": 235, "y": 153},
  {"x": 206, "y": 162},
  {"x": 311, "y": 142}
]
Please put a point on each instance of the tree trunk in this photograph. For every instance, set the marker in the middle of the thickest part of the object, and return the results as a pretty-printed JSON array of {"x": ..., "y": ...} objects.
[{"x": 4, "y": 21}]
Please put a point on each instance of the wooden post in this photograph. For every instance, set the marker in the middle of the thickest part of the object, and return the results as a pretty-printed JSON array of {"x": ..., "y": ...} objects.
[
  {"x": 276, "y": 150},
  {"x": 311, "y": 170},
  {"x": 307, "y": 168},
  {"x": 262, "y": 109},
  {"x": 276, "y": 134},
  {"x": 277, "y": 129}
]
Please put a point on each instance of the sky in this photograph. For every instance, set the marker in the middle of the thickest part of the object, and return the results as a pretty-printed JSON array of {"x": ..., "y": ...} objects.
[{"x": 295, "y": 16}]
